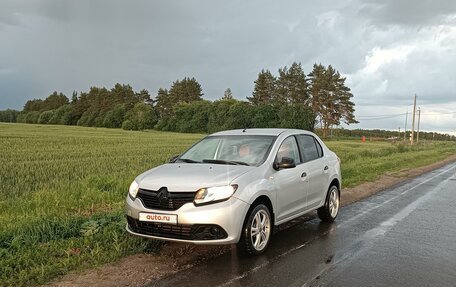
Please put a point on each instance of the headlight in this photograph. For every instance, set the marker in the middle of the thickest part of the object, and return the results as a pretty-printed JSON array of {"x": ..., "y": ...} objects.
[
  {"x": 133, "y": 190},
  {"x": 214, "y": 194}
]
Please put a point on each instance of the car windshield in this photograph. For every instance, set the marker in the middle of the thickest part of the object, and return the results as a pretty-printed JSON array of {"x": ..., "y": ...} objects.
[{"x": 236, "y": 150}]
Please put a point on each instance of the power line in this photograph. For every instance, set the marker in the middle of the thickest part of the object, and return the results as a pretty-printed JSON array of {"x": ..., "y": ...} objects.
[
  {"x": 390, "y": 115},
  {"x": 373, "y": 118},
  {"x": 383, "y": 117},
  {"x": 438, "y": 114}
]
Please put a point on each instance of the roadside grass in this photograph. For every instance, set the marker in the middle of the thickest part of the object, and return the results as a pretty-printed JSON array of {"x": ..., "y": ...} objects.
[
  {"x": 62, "y": 191},
  {"x": 367, "y": 161}
]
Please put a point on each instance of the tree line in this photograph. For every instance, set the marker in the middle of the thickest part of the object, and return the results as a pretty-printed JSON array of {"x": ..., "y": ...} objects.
[
  {"x": 388, "y": 134},
  {"x": 323, "y": 90},
  {"x": 290, "y": 99}
]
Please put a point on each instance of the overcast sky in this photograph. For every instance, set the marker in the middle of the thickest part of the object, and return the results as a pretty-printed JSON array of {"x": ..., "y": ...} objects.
[{"x": 388, "y": 50}]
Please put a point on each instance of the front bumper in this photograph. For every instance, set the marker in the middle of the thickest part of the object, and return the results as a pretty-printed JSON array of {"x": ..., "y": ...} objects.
[{"x": 193, "y": 222}]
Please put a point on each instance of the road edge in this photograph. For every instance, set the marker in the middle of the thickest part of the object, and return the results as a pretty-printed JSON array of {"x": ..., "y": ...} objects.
[
  {"x": 388, "y": 180},
  {"x": 141, "y": 269}
]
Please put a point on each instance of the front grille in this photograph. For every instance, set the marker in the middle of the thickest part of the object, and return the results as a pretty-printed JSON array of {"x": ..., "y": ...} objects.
[
  {"x": 178, "y": 231},
  {"x": 164, "y": 200}
]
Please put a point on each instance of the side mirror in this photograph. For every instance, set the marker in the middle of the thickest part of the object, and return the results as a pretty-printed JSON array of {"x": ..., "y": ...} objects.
[
  {"x": 286, "y": 162},
  {"x": 173, "y": 158}
]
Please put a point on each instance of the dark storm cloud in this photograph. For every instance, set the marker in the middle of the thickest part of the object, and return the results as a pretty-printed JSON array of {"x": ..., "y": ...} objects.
[
  {"x": 388, "y": 50},
  {"x": 407, "y": 12},
  {"x": 11, "y": 11}
]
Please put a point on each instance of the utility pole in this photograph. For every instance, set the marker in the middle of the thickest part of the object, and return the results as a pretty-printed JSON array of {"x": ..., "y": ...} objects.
[
  {"x": 399, "y": 135},
  {"x": 405, "y": 128},
  {"x": 418, "y": 129},
  {"x": 413, "y": 121}
]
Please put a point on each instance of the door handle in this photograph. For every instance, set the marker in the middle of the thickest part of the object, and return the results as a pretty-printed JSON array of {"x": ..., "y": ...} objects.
[
  {"x": 326, "y": 168},
  {"x": 304, "y": 174}
]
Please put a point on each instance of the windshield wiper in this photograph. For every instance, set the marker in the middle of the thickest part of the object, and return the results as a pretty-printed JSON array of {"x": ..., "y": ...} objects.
[
  {"x": 221, "y": 161},
  {"x": 187, "y": 160}
]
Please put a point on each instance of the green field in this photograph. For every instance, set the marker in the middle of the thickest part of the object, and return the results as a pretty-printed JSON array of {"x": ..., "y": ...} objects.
[{"x": 63, "y": 188}]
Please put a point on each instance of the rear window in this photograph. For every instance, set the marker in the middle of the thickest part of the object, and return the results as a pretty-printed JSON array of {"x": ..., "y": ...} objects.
[{"x": 310, "y": 149}]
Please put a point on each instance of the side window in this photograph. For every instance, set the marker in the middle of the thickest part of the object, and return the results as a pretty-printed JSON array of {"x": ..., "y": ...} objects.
[
  {"x": 308, "y": 148},
  {"x": 289, "y": 148},
  {"x": 319, "y": 148}
]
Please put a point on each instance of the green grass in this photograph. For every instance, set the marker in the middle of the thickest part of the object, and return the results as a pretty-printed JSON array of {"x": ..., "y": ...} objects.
[
  {"x": 62, "y": 191},
  {"x": 367, "y": 161}
]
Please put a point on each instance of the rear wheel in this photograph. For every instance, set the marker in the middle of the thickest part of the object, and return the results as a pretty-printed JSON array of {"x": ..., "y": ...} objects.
[
  {"x": 329, "y": 211},
  {"x": 256, "y": 232}
]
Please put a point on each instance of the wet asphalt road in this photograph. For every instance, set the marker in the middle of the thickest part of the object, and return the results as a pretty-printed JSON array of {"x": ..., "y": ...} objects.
[{"x": 404, "y": 236}]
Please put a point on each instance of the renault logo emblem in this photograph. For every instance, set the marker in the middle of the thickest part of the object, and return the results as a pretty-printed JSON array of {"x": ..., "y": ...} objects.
[{"x": 162, "y": 195}]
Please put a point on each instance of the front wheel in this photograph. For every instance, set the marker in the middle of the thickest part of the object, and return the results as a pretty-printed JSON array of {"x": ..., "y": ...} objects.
[
  {"x": 256, "y": 232},
  {"x": 329, "y": 211}
]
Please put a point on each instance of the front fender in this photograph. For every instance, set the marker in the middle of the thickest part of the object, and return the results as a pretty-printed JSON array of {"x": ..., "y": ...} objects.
[
  {"x": 255, "y": 189},
  {"x": 251, "y": 191}
]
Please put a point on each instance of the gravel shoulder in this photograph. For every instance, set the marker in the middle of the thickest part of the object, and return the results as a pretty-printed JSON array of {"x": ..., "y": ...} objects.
[{"x": 139, "y": 269}]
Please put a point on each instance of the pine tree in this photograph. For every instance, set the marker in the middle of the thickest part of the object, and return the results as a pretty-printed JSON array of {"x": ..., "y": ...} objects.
[
  {"x": 227, "y": 95},
  {"x": 265, "y": 89},
  {"x": 144, "y": 96},
  {"x": 74, "y": 98},
  {"x": 331, "y": 99},
  {"x": 33, "y": 105},
  {"x": 292, "y": 85},
  {"x": 185, "y": 91},
  {"x": 163, "y": 103},
  {"x": 122, "y": 94}
]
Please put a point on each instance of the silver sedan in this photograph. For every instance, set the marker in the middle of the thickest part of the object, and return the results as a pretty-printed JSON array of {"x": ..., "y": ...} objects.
[{"x": 234, "y": 187}]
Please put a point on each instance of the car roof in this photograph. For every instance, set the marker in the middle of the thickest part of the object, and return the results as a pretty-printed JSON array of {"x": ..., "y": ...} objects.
[{"x": 263, "y": 132}]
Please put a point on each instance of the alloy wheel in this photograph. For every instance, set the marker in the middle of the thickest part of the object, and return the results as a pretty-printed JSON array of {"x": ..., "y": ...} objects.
[
  {"x": 260, "y": 230},
  {"x": 334, "y": 202}
]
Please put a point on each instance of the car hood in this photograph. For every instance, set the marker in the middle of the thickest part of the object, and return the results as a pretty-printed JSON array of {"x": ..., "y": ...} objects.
[{"x": 190, "y": 176}]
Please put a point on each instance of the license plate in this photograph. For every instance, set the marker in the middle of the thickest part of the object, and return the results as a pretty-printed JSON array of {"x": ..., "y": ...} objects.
[{"x": 158, "y": 217}]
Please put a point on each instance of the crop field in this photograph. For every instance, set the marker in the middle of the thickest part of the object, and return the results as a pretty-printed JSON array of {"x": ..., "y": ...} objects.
[{"x": 62, "y": 191}]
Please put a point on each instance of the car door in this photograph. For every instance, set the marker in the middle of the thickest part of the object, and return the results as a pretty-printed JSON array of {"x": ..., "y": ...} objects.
[
  {"x": 291, "y": 187},
  {"x": 316, "y": 167}
]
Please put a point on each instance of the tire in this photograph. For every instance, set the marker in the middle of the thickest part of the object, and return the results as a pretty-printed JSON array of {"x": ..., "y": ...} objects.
[
  {"x": 252, "y": 244},
  {"x": 330, "y": 210}
]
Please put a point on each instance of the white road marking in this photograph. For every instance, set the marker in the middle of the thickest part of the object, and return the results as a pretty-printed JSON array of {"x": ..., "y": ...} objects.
[
  {"x": 371, "y": 235},
  {"x": 389, "y": 223},
  {"x": 392, "y": 198}
]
